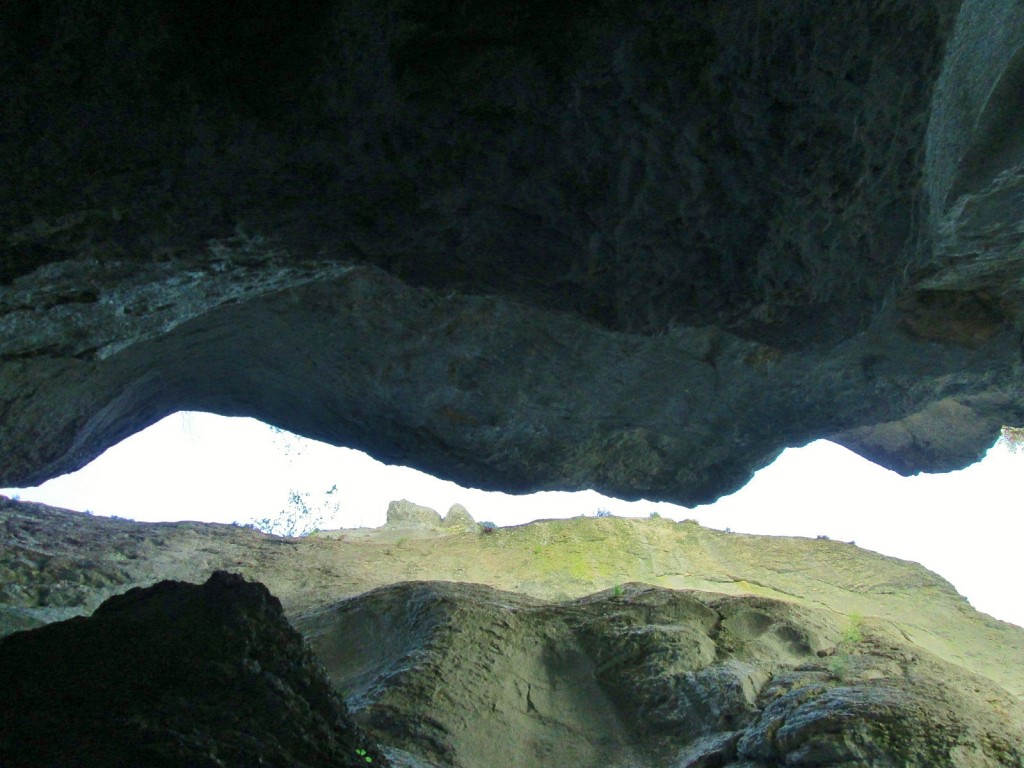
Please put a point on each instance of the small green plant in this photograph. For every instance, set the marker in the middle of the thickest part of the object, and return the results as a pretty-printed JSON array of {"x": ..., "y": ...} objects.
[
  {"x": 302, "y": 515},
  {"x": 853, "y": 634},
  {"x": 362, "y": 754},
  {"x": 617, "y": 591},
  {"x": 839, "y": 665},
  {"x": 654, "y": 514}
]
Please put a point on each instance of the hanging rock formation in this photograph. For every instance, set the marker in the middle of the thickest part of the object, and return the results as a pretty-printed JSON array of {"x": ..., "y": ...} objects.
[{"x": 635, "y": 248}]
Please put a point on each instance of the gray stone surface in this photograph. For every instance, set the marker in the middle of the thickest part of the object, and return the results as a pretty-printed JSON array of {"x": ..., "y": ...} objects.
[
  {"x": 55, "y": 564},
  {"x": 474, "y": 677},
  {"x": 635, "y": 248},
  {"x": 820, "y": 653},
  {"x": 405, "y": 514},
  {"x": 458, "y": 517}
]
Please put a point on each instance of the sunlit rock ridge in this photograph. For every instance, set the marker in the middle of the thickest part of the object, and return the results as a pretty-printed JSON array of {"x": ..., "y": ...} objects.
[
  {"x": 463, "y": 646},
  {"x": 639, "y": 248}
]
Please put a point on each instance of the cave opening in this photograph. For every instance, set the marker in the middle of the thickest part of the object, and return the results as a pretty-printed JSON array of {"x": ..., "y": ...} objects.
[{"x": 204, "y": 467}]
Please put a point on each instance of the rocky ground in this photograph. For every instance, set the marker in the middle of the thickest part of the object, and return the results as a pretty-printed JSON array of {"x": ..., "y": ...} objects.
[{"x": 590, "y": 642}]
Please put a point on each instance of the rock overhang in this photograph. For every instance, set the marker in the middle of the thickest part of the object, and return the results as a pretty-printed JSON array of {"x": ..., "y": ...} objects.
[{"x": 640, "y": 250}]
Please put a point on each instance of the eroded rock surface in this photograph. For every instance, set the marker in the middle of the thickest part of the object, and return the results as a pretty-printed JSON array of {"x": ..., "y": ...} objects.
[
  {"x": 55, "y": 564},
  {"x": 177, "y": 674},
  {"x": 470, "y": 676},
  {"x": 405, "y": 514},
  {"x": 640, "y": 248},
  {"x": 764, "y": 652}
]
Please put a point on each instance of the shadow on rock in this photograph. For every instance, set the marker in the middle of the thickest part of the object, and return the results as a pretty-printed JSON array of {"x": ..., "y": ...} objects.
[{"x": 175, "y": 674}]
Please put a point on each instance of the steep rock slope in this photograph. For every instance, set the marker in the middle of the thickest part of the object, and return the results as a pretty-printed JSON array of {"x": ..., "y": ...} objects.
[
  {"x": 55, "y": 564},
  {"x": 468, "y": 676},
  {"x": 635, "y": 247},
  {"x": 174, "y": 675}
]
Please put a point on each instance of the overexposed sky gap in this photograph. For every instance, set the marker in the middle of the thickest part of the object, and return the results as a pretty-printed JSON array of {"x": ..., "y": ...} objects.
[{"x": 966, "y": 526}]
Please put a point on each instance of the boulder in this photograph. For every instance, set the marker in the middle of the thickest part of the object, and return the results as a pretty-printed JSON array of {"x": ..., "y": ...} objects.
[
  {"x": 405, "y": 514},
  {"x": 458, "y": 517},
  {"x": 174, "y": 674}
]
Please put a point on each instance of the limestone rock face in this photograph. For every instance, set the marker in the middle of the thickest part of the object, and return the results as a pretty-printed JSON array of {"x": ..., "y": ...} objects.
[
  {"x": 56, "y": 564},
  {"x": 649, "y": 677},
  {"x": 405, "y": 514},
  {"x": 748, "y": 652},
  {"x": 458, "y": 517},
  {"x": 176, "y": 674},
  {"x": 639, "y": 248}
]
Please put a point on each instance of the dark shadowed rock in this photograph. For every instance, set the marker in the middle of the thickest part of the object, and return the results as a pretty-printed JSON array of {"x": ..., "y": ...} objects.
[
  {"x": 634, "y": 247},
  {"x": 173, "y": 675}
]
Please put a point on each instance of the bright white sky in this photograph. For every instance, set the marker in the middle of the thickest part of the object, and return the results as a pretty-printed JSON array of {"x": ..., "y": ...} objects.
[{"x": 966, "y": 526}]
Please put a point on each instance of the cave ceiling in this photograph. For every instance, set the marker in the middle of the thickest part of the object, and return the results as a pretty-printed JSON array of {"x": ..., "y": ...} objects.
[{"x": 635, "y": 247}]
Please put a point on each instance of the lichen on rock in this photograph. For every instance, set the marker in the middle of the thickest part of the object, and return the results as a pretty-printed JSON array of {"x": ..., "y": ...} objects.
[{"x": 405, "y": 514}]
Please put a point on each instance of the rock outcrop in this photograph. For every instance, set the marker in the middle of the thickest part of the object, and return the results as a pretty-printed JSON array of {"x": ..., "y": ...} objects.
[
  {"x": 639, "y": 248},
  {"x": 459, "y": 518},
  {"x": 55, "y": 564},
  {"x": 448, "y": 675},
  {"x": 405, "y": 514},
  {"x": 173, "y": 675},
  {"x": 474, "y": 677}
]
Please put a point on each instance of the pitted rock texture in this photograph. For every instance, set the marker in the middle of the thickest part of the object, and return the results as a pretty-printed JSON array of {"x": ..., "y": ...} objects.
[
  {"x": 474, "y": 677},
  {"x": 173, "y": 675},
  {"x": 640, "y": 248}
]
